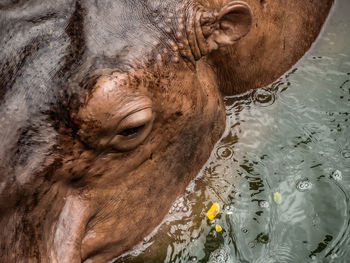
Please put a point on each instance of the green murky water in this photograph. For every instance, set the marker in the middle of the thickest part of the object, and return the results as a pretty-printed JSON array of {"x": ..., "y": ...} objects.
[{"x": 292, "y": 137}]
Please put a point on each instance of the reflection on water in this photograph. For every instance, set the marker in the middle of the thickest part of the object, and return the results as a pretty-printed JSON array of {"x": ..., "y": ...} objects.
[{"x": 293, "y": 138}]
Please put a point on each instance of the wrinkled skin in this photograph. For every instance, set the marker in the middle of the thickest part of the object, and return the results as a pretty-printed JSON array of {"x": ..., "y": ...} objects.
[{"x": 109, "y": 108}]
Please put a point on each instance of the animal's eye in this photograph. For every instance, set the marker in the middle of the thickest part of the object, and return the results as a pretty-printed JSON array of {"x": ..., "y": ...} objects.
[{"x": 133, "y": 130}]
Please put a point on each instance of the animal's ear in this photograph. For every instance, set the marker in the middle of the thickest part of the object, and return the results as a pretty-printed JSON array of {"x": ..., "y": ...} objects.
[{"x": 226, "y": 25}]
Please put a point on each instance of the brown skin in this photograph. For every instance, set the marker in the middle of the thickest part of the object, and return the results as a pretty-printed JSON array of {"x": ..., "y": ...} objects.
[
  {"x": 137, "y": 137},
  {"x": 278, "y": 38}
]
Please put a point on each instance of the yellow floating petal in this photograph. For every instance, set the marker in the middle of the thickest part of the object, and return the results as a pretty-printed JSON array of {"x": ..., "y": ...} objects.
[
  {"x": 277, "y": 197},
  {"x": 213, "y": 211},
  {"x": 218, "y": 228}
]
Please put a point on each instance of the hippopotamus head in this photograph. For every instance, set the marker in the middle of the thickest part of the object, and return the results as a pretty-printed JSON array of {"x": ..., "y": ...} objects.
[{"x": 110, "y": 108}]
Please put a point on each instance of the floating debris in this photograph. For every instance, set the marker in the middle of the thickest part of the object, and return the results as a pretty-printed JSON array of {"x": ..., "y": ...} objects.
[
  {"x": 218, "y": 228},
  {"x": 277, "y": 197},
  {"x": 213, "y": 211}
]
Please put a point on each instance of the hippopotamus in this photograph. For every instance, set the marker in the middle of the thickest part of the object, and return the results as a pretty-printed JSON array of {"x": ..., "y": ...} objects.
[{"x": 109, "y": 108}]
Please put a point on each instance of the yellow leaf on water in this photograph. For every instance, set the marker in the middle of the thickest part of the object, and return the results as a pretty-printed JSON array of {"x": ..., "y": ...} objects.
[
  {"x": 218, "y": 228},
  {"x": 277, "y": 197},
  {"x": 213, "y": 211}
]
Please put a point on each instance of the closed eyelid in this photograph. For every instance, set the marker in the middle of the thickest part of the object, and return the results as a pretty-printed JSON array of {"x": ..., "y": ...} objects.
[{"x": 137, "y": 118}]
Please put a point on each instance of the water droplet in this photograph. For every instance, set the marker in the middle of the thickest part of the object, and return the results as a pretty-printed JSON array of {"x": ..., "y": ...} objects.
[
  {"x": 303, "y": 185},
  {"x": 264, "y": 204},
  {"x": 337, "y": 175}
]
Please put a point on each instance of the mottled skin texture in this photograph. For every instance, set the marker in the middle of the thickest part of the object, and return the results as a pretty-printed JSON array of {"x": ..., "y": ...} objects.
[{"x": 109, "y": 108}]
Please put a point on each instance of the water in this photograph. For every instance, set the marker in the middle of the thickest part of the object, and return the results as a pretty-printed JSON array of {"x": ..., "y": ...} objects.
[{"x": 292, "y": 137}]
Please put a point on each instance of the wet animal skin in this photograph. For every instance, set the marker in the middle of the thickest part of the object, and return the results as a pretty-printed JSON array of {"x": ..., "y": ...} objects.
[{"x": 108, "y": 109}]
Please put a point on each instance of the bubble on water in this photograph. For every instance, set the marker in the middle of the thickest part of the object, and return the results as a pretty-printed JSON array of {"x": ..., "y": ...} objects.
[
  {"x": 346, "y": 153},
  {"x": 251, "y": 244},
  {"x": 179, "y": 205},
  {"x": 264, "y": 204},
  {"x": 303, "y": 185},
  {"x": 193, "y": 259},
  {"x": 244, "y": 230},
  {"x": 224, "y": 152},
  {"x": 263, "y": 97},
  {"x": 221, "y": 255},
  {"x": 337, "y": 175}
]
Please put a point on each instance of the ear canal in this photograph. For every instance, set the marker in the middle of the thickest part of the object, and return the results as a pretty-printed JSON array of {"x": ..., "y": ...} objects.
[{"x": 231, "y": 23}]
